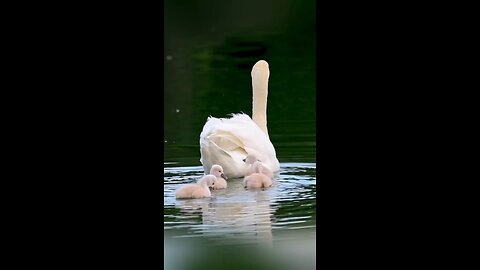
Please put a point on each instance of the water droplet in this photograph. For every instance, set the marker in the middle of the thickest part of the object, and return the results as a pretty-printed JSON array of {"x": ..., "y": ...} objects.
[
  {"x": 177, "y": 110},
  {"x": 169, "y": 57}
]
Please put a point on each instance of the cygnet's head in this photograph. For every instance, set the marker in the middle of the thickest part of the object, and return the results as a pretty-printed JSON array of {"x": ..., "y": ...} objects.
[
  {"x": 209, "y": 180},
  {"x": 250, "y": 159},
  {"x": 217, "y": 170}
]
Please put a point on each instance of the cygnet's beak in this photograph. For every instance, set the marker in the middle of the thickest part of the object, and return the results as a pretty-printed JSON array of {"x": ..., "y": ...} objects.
[{"x": 223, "y": 176}]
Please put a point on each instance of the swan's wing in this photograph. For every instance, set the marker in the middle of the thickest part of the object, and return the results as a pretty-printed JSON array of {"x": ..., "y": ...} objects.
[
  {"x": 211, "y": 154},
  {"x": 220, "y": 146}
]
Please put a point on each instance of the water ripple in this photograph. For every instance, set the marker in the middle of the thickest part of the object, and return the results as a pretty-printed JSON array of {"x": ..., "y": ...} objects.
[{"x": 236, "y": 213}]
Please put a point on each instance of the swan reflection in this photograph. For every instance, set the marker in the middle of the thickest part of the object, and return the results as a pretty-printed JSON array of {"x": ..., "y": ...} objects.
[{"x": 234, "y": 213}]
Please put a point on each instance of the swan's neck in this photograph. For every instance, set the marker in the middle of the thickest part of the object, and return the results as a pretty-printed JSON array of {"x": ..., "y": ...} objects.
[{"x": 260, "y": 93}]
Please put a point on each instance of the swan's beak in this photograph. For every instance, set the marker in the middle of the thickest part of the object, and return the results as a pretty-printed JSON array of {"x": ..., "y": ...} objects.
[{"x": 223, "y": 176}]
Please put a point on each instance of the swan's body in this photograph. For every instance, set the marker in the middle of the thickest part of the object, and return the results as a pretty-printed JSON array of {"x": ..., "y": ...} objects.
[
  {"x": 220, "y": 182},
  {"x": 200, "y": 189},
  {"x": 226, "y": 141}
]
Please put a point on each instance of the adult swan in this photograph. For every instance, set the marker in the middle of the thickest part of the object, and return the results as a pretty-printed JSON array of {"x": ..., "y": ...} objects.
[{"x": 227, "y": 141}]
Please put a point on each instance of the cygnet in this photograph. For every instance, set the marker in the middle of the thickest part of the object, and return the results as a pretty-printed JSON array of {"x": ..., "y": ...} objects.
[
  {"x": 254, "y": 166},
  {"x": 200, "y": 189},
  {"x": 257, "y": 179},
  {"x": 220, "y": 182}
]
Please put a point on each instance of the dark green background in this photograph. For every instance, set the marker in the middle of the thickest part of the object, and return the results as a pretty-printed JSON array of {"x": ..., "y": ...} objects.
[{"x": 210, "y": 48}]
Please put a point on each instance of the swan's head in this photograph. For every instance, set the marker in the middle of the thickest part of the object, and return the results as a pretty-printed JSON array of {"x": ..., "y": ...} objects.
[
  {"x": 261, "y": 65},
  {"x": 217, "y": 170},
  {"x": 208, "y": 180},
  {"x": 250, "y": 159}
]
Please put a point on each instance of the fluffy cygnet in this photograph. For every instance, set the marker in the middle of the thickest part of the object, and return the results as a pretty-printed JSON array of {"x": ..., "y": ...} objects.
[
  {"x": 220, "y": 182},
  {"x": 257, "y": 180},
  {"x": 200, "y": 189},
  {"x": 256, "y": 166}
]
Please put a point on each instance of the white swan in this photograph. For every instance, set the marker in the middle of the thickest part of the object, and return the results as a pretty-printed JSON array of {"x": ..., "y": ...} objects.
[
  {"x": 200, "y": 189},
  {"x": 226, "y": 141},
  {"x": 220, "y": 183}
]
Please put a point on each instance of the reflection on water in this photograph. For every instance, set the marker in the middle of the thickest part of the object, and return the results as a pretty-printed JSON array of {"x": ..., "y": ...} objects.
[
  {"x": 232, "y": 222},
  {"x": 282, "y": 216}
]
